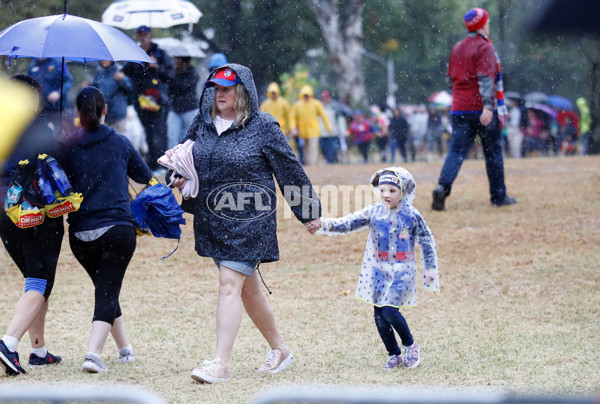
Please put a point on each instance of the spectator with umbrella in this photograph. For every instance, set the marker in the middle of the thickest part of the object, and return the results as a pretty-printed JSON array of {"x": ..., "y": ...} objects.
[{"x": 52, "y": 75}]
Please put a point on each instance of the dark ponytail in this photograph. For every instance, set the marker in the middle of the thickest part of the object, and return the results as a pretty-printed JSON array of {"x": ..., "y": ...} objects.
[{"x": 90, "y": 104}]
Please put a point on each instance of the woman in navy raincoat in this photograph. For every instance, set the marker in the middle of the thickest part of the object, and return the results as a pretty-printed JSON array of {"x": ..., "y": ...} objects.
[{"x": 237, "y": 152}]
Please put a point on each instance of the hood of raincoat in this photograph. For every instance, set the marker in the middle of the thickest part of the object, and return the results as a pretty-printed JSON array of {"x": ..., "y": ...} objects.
[
  {"x": 409, "y": 186},
  {"x": 273, "y": 88},
  {"x": 245, "y": 76},
  {"x": 254, "y": 155},
  {"x": 306, "y": 90},
  {"x": 580, "y": 102}
]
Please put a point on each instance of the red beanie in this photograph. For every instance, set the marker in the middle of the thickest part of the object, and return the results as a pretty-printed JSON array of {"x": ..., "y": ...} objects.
[{"x": 475, "y": 18}]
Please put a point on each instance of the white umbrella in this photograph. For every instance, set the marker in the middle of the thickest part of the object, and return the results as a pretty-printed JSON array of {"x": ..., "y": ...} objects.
[
  {"x": 130, "y": 14},
  {"x": 441, "y": 98},
  {"x": 175, "y": 47}
]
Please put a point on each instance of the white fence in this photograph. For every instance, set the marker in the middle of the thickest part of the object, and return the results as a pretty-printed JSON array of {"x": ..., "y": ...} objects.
[
  {"x": 354, "y": 395},
  {"x": 64, "y": 393}
]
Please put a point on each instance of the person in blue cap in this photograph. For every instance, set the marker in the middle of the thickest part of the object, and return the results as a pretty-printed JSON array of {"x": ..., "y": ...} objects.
[{"x": 216, "y": 60}]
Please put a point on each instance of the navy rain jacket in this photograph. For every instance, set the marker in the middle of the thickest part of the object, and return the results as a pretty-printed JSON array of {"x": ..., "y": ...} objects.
[
  {"x": 97, "y": 164},
  {"x": 233, "y": 166}
]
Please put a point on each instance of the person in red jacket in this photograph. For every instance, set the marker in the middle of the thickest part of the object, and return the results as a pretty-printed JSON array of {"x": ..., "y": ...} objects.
[{"x": 473, "y": 71}]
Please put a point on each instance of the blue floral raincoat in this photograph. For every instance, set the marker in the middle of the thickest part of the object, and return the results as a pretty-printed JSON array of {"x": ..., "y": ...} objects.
[{"x": 389, "y": 274}]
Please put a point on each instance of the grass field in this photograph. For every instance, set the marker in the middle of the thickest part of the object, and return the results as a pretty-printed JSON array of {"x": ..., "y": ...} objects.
[{"x": 519, "y": 309}]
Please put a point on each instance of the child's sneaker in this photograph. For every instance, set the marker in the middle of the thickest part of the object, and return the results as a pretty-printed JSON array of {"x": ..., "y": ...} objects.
[
  {"x": 277, "y": 361},
  {"x": 411, "y": 356},
  {"x": 93, "y": 364},
  {"x": 126, "y": 355},
  {"x": 10, "y": 361},
  {"x": 393, "y": 362},
  {"x": 212, "y": 372},
  {"x": 49, "y": 359}
]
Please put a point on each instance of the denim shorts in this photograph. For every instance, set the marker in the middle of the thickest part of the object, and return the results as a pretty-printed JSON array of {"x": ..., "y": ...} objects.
[{"x": 244, "y": 267}]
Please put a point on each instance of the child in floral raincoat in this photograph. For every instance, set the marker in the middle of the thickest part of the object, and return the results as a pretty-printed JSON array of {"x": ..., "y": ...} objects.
[{"x": 388, "y": 278}]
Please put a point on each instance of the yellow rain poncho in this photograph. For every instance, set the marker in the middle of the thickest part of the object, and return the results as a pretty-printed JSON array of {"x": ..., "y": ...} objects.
[{"x": 305, "y": 115}]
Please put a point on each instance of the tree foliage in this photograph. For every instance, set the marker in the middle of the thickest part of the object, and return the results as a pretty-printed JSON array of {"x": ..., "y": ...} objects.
[{"x": 272, "y": 36}]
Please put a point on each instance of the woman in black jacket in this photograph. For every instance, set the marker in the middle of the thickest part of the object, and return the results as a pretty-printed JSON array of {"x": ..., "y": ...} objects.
[
  {"x": 236, "y": 153},
  {"x": 102, "y": 234}
]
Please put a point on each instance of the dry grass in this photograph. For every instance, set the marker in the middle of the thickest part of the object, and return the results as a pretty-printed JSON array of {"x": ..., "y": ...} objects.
[{"x": 519, "y": 308}]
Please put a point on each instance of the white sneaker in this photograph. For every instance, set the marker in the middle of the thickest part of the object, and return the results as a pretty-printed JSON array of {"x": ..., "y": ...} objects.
[
  {"x": 277, "y": 361},
  {"x": 212, "y": 372},
  {"x": 126, "y": 355},
  {"x": 92, "y": 364}
]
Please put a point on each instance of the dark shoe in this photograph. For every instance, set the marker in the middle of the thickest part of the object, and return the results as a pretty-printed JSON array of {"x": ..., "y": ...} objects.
[
  {"x": 506, "y": 201},
  {"x": 49, "y": 359},
  {"x": 10, "y": 361},
  {"x": 439, "y": 198}
]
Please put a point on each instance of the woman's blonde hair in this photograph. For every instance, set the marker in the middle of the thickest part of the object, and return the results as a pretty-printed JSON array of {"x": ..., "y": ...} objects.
[{"x": 241, "y": 106}]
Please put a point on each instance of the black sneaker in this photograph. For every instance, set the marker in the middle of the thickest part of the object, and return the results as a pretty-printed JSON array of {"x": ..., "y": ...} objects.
[
  {"x": 49, "y": 359},
  {"x": 506, "y": 201},
  {"x": 10, "y": 361},
  {"x": 439, "y": 198}
]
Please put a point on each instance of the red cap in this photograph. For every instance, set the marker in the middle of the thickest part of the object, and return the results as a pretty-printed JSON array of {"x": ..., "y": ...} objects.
[
  {"x": 476, "y": 18},
  {"x": 225, "y": 77}
]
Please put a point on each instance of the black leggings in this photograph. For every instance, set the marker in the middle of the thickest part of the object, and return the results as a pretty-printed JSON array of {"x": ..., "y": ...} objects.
[
  {"x": 105, "y": 260},
  {"x": 35, "y": 250}
]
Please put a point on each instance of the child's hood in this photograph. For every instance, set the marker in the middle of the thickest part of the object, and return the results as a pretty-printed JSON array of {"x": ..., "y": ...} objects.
[{"x": 409, "y": 186}]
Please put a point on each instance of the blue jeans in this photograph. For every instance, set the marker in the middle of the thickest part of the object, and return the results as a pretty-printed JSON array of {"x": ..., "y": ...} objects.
[
  {"x": 465, "y": 127},
  {"x": 330, "y": 147},
  {"x": 388, "y": 319}
]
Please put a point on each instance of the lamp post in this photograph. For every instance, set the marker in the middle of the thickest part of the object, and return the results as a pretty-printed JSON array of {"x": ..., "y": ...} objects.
[{"x": 389, "y": 66}]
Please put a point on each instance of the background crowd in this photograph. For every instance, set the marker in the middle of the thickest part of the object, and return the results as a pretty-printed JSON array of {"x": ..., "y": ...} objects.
[{"x": 320, "y": 128}]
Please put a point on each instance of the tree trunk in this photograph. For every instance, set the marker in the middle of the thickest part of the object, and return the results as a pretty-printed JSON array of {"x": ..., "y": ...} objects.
[{"x": 344, "y": 45}]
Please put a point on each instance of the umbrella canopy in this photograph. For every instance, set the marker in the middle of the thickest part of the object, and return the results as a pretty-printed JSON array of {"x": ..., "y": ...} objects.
[
  {"x": 536, "y": 97},
  {"x": 69, "y": 37},
  {"x": 176, "y": 47},
  {"x": 562, "y": 115},
  {"x": 130, "y": 14},
  {"x": 156, "y": 209},
  {"x": 544, "y": 108},
  {"x": 560, "y": 102},
  {"x": 513, "y": 95},
  {"x": 441, "y": 98}
]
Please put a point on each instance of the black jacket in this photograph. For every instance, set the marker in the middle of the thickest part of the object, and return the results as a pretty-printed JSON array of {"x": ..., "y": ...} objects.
[
  {"x": 182, "y": 89},
  {"x": 98, "y": 164},
  {"x": 234, "y": 213},
  {"x": 145, "y": 78}
]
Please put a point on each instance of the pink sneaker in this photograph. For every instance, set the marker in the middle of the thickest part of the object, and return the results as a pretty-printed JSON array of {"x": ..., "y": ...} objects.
[
  {"x": 393, "y": 361},
  {"x": 212, "y": 372},
  {"x": 277, "y": 361},
  {"x": 411, "y": 356}
]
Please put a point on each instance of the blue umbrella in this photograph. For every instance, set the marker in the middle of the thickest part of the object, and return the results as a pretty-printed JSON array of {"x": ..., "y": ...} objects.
[
  {"x": 156, "y": 209},
  {"x": 69, "y": 37},
  {"x": 560, "y": 102}
]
